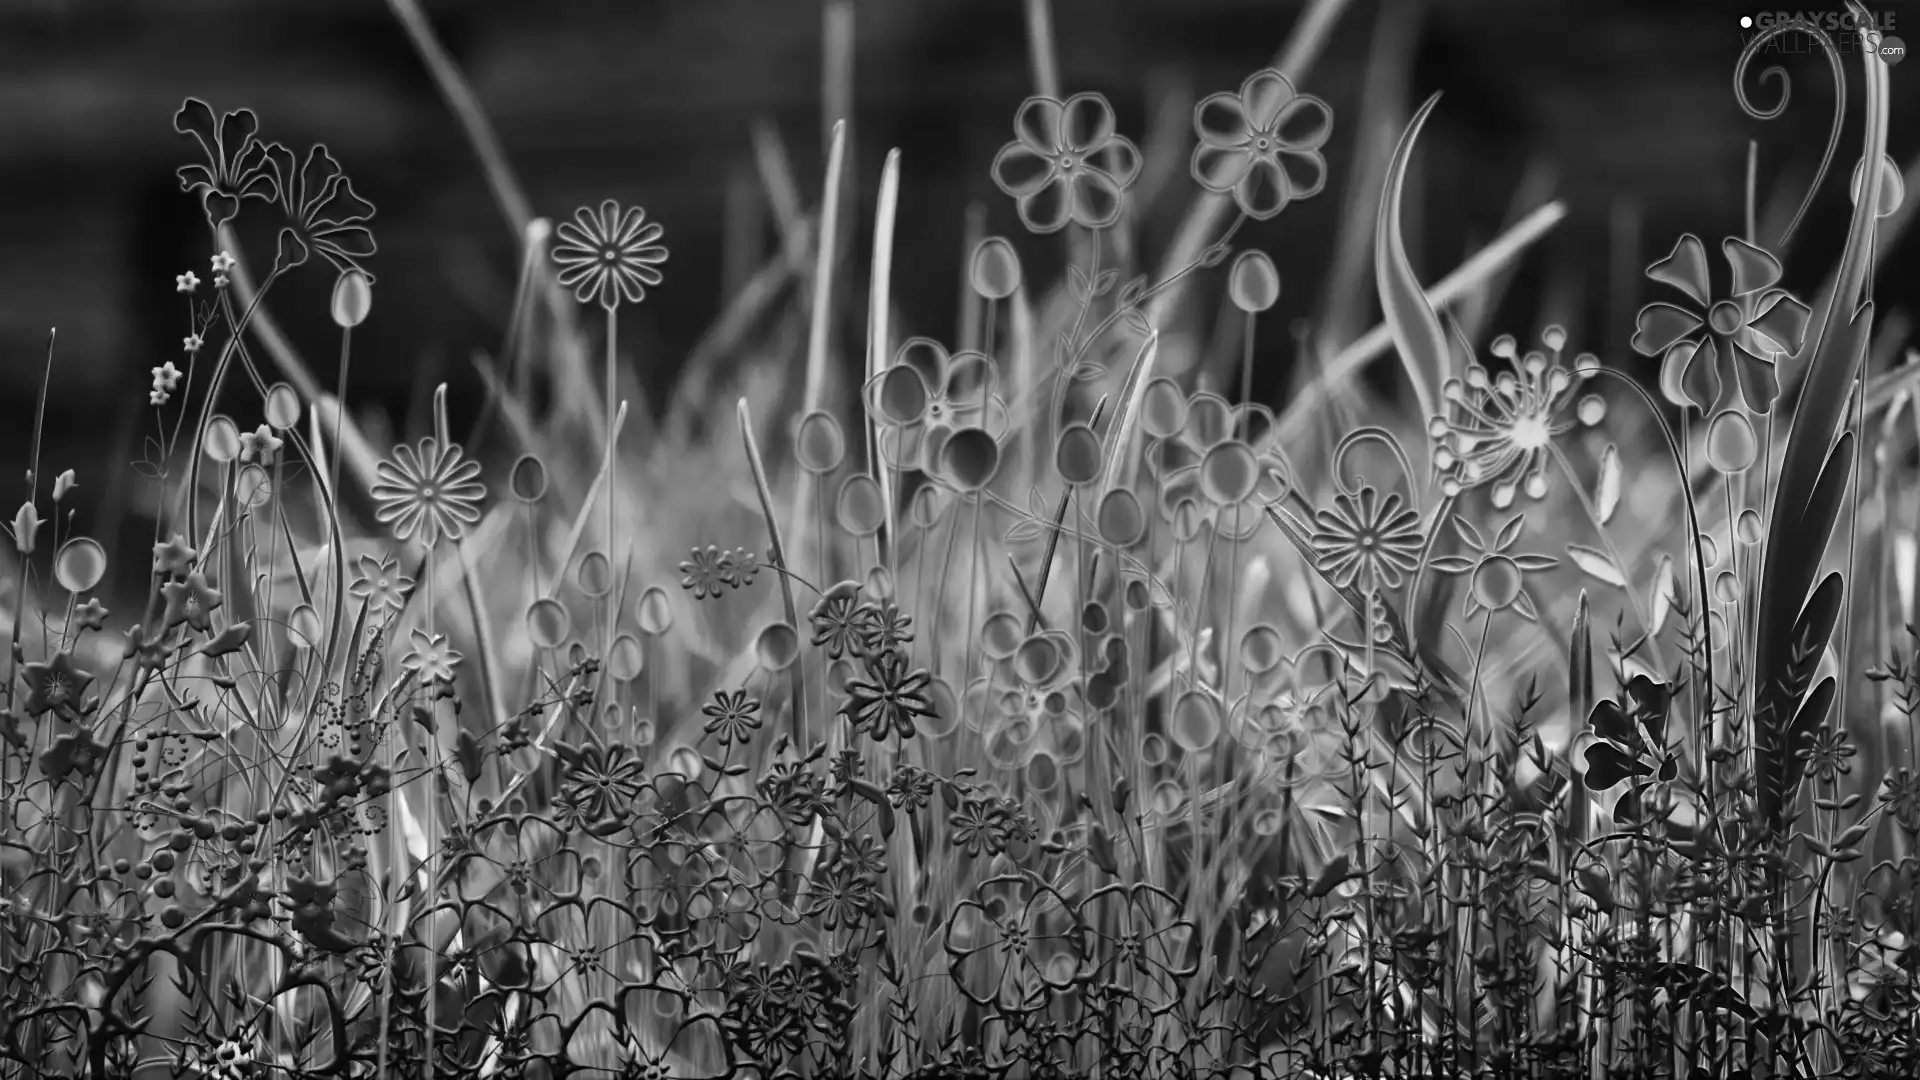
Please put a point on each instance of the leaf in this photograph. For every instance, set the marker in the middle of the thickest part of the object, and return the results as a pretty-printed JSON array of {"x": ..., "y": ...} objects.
[
  {"x": 1215, "y": 255},
  {"x": 1137, "y": 319},
  {"x": 1452, "y": 564},
  {"x": 1103, "y": 284},
  {"x": 1663, "y": 595},
  {"x": 1606, "y": 496},
  {"x": 1509, "y": 533},
  {"x": 1131, "y": 292},
  {"x": 1077, "y": 283},
  {"x": 1417, "y": 334},
  {"x": 1025, "y": 531},
  {"x": 1087, "y": 372},
  {"x": 1597, "y": 565},
  {"x": 1812, "y": 630},
  {"x": 466, "y": 750},
  {"x": 1331, "y": 877}
]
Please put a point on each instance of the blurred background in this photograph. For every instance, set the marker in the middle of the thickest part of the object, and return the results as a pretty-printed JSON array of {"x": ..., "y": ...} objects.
[{"x": 1624, "y": 109}]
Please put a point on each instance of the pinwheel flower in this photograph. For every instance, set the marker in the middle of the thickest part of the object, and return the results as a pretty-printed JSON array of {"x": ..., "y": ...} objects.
[
  {"x": 430, "y": 492},
  {"x": 1067, "y": 164},
  {"x": 610, "y": 256},
  {"x": 1733, "y": 340}
]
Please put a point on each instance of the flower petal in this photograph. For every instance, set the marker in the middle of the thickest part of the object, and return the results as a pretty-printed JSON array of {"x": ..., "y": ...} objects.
[
  {"x": 1753, "y": 268},
  {"x": 1306, "y": 174},
  {"x": 1304, "y": 123},
  {"x": 1263, "y": 192},
  {"x": 1119, "y": 159},
  {"x": 1659, "y": 326},
  {"x": 1038, "y": 124},
  {"x": 1086, "y": 123},
  {"x": 1759, "y": 386},
  {"x": 970, "y": 380},
  {"x": 1701, "y": 379},
  {"x": 1263, "y": 96},
  {"x": 1220, "y": 122},
  {"x": 1782, "y": 321},
  {"x": 1685, "y": 268},
  {"x": 1095, "y": 198},
  {"x": 1021, "y": 172},
  {"x": 1048, "y": 209},
  {"x": 1218, "y": 169}
]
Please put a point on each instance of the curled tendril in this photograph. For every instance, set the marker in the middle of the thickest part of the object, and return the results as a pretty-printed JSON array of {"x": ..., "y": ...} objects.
[
  {"x": 1374, "y": 435},
  {"x": 1778, "y": 74}
]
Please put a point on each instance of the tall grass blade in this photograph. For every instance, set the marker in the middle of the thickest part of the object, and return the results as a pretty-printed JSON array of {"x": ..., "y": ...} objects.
[{"x": 1410, "y": 318}]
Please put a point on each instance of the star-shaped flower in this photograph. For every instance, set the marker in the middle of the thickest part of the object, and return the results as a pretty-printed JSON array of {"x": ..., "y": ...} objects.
[
  {"x": 192, "y": 601},
  {"x": 431, "y": 659},
  {"x": 55, "y": 685}
]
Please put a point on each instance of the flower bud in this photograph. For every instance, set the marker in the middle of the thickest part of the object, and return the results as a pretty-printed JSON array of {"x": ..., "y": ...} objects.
[{"x": 352, "y": 298}]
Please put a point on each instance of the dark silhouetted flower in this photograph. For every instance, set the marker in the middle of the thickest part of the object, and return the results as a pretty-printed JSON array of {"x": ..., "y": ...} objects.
[
  {"x": 839, "y": 621},
  {"x": 428, "y": 493},
  {"x": 604, "y": 781},
  {"x": 1744, "y": 335},
  {"x": 1067, "y": 164},
  {"x": 1262, "y": 145},
  {"x": 610, "y": 256}
]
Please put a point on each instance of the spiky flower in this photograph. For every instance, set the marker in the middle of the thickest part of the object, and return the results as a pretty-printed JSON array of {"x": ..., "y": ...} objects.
[
  {"x": 1500, "y": 428},
  {"x": 610, "y": 256}
]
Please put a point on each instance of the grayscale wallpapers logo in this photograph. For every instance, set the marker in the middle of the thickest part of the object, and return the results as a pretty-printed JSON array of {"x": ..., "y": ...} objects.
[{"x": 1841, "y": 26}]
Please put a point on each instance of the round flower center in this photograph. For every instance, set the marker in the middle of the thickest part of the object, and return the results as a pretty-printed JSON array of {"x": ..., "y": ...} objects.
[
  {"x": 1725, "y": 317},
  {"x": 1496, "y": 582},
  {"x": 1066, "y": 162},
  {"x": 609, "y": 256},
  {"x": 1530, "y": 432},
  {"x": 1263, "y": 143}
]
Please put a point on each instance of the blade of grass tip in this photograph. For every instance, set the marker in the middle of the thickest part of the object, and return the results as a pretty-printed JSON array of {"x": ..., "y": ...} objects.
[
  {"x": 967, "y": 334},
  {"x": 1837, "y": 350},
  {"x": 1468, "y": 276},
  {"x": 820, "y": 325},
  {"x": 879, "y": 343},
  {"x": 1120, "y": 435},
  {"x": 453, "y": 86},
  {"x": 1295, "y": 60},
  {"x": 1415, "y": 327},
  {"x": 836, "y": 69},
  {"x": 780, "y": 567},
  {"x": 1579, "y": 704},
  {"x": 775, "y": 166},
  {"x": 483, "y": 633},
  {"x": 578, "y": 530},
  {"x": 1382, "y": 117},
  {"x": 1041, "y": 52}
]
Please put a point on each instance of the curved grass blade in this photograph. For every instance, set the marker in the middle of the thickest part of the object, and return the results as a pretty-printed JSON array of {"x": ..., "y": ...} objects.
[{"x": 1416, "y": 329}]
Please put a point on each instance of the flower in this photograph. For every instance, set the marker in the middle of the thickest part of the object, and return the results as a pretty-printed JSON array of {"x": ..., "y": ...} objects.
[
  {"x": 1496, "y": 576},
  {"x": 1066, "y": 163},
  {"x": 1756, "y": 325},
  {"x": 186, "y": 282},
  {"x": 1012, "y": 943},
  {"x": 431, "y": 659},
  {"x": 926, "y": 395},
  {"x": 732, "y": 716},
  {"x": 192, "y": 601},
  {"x": 1828, "y": 754},
  {"x": 259, "y": 446},
  {"x": 55, "y": 685},
  {"x": 887, "y": 627},
  {"x": 166, "y": 377},
  {"x": 174, "y": 558},
  {"x": 611, "y": 256},
  {"x": 1501, "y": 428},
  {"x": 380, "y": 584},
  {"x": 191, "y": 343},
  {"x": 324, "y": 213},
  {"x": 1902, "y": 796},
  {"x": 705, "y": 572},
  {"x": 235, "y": 168},
  {"x": 1262, "y": 145},
  {"x": 157, "y": 397},
  {"x": 604, "y": 782},
  {"x": 839, "y": 621},
  {"x": 1367, "y": 540},
  {"x": 1138, "y": 940},
  {"x": 910, "y": 788},
  {"x": 223, "y": 263},
  {"x": 890, "y": 698},
  {"x": 430, "y": 492},
  {"x": 91, "y": 615}
]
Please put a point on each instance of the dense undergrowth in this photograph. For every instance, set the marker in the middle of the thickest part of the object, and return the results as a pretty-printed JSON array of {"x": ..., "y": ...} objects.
[{"x": 1036, "y": 706}]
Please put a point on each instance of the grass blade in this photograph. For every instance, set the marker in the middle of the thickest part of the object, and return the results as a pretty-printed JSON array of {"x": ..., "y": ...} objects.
[{"x": 1410, "y": 317}]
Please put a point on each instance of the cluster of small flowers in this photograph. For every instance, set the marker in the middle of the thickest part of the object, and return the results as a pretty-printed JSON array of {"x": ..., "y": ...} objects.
[
  {"x": 165, "y": 378},
  {"x": 710, "y": 571},
  {"x": 188, "y": 282}
]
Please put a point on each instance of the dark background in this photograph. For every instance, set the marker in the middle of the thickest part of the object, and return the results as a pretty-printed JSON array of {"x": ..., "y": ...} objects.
[{"x": 1625, "y": 106}]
